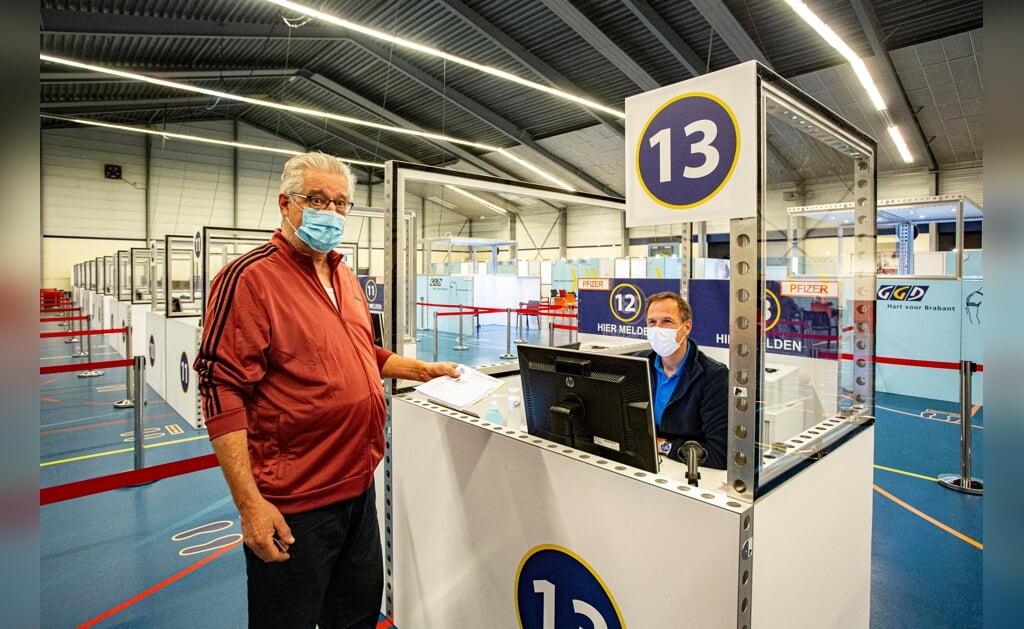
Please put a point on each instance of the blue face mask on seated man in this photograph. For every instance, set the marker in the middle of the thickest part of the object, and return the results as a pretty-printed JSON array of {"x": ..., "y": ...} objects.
[{"x": 320, "y": 229}]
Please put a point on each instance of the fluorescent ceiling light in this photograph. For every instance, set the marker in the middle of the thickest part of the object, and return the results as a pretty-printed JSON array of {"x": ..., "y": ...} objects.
[
  {"x": 522, "y": 162},
  {"x": 195, "y": 138},
  {"x": 483, "y": 202},
  {"x": 901, "y": 146},
  {"x": 859, "y": 69},
  {"x": 405, "y": 43},
  {"x": 300, "y": 111}
]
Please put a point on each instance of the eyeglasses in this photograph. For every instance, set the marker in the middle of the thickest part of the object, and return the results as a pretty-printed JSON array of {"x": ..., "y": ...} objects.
[{"x": 320, "y": 203}]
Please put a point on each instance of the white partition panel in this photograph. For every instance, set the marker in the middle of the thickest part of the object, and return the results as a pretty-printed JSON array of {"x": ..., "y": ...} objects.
[
  {"x": 812, "y": 565},
  {"x": 474, "y": 504},
  {"x": 156, "y": 342},
  {"x": 137, "y": 319},
  {"x": 183, "y": 337},
  {"x": 121, "y": 317}
]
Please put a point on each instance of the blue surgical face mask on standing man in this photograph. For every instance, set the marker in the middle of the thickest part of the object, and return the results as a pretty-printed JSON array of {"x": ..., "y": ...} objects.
[{"x": 320, "y": 229}]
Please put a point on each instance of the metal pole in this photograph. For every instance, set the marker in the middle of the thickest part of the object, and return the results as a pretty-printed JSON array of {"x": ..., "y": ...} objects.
[
  {"x": 964, "y": 482},
  {"x": 551, "y": 333},
  {"x": 88, "y": 341},
  {"x": 435, "y": 336},
  {"x": 81, "y": 343},
  {"x": 129, "y": 381},
  {"x": 139, "y": 367},
  {"x": 459, "y": 346},
  {"x": 508, "y": 334},
  {"x": 519, "y": 323}
]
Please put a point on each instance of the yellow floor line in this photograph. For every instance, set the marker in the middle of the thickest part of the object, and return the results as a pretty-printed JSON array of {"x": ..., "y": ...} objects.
[
  {"x": 930, "y": 519},
  {"x": 896, "y": 471},
  {"x": 120, "y": 451}
]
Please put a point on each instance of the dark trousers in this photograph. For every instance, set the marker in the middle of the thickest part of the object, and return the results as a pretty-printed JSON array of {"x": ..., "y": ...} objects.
[{"x": 334, "y": 577}]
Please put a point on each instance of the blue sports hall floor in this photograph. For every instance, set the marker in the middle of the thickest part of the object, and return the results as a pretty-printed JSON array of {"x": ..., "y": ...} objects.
[{"x": 166, "y": 554}]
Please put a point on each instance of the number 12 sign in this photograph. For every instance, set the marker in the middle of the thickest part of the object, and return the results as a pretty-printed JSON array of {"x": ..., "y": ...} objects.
[{"x": 690, "y": 149}]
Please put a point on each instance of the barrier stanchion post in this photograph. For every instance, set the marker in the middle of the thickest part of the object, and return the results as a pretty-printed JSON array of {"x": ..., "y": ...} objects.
[
  {"x": 80, "y": 340},
  {"x": 72, "y": 339},
  {"x": 519, "y": 324},
  {"x": 508, "y": 334},
  {"x": 964, "y": 482},
  {"x": 139, "y": 367},
  {"x": 551, "y": 333},
  {"x": 459, "y": 347},
  {"x": 129, "y": 382},
  {"x": 89, "y": 373},
  {"x": 435, "y": 336}
]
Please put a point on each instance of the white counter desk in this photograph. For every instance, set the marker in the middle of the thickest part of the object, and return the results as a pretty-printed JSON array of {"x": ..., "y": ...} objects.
[{"x": 491, "y": 526}]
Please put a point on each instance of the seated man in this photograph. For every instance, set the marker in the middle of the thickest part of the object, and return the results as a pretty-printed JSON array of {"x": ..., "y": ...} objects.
[{"x": 690, "y": 388}]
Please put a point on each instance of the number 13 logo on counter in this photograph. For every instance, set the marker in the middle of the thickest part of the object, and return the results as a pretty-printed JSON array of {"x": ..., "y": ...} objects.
[{"x": 687, "y": 150}]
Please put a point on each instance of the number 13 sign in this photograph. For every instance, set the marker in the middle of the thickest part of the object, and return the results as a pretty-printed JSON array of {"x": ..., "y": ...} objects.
[{"x": 690, "y": 149}]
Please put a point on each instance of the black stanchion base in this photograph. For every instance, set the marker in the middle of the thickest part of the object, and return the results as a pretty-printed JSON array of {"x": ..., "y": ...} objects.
[{"x": 973, "y": 486}]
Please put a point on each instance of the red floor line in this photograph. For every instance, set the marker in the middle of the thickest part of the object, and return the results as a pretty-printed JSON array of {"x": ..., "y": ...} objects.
[
  {"x": 50, "y": 399},
  {"x": 72, "y": 428},
  {"x": 101, "y": 424},
  {"x": 117, "y": 609},
  {"x": 50, "y": 381}
]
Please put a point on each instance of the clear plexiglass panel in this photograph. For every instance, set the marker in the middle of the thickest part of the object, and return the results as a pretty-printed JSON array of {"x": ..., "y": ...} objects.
[
  {"x": 141, "y": 276},
  {"x": 815, "y": 269},
  {"x": 221, "y": 245},
  {"x": 182, "y": 294},
  {"x": 122, "y": 262}
]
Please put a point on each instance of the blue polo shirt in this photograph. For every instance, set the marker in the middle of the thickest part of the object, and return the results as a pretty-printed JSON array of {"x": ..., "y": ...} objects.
[{"x": 665, "y": 385}]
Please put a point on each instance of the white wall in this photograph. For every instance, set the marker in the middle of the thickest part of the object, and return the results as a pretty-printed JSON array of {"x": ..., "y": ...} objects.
[{"x": 195, "y": 184}]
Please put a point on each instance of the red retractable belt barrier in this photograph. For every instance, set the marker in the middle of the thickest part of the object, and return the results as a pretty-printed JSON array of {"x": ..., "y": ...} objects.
[{"x": 78, "y": 489}]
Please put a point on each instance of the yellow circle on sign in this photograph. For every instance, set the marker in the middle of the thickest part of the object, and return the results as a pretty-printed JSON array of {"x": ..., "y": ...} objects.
[{"x": 768, "y": 325}]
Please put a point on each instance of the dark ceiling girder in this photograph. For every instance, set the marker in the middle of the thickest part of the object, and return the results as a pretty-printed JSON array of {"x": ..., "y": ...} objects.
[
  {"x": 68, "y": 22},
  {"x": 873, "y": 30},
  {"x": 667, "y": 36},
  {"x": 528, "y": 59},
  {"x": 724, "y": 23},
  {"x": 125, "y": 105},
  {"x": 332, "y": 86},
  {"x": 513, "y": 132},
  {"x": 318, "y": 80},
  {"x": 575, "y": 19}
]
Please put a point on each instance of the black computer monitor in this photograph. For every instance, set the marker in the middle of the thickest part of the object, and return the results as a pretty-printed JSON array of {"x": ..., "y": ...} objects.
[{"x": 598, "y": 403}]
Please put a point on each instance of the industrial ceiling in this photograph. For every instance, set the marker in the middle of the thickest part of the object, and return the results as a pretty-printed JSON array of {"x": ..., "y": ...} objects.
[{"x": 925, "y": 56}]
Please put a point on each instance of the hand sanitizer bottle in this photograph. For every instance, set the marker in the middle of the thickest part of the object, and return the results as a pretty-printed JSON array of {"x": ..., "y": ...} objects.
[
  {"x": 494, "y": 411},
  {"x": 514, "y": 417}
]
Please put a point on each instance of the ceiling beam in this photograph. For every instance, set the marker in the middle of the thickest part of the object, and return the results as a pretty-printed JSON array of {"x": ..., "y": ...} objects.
[
  {"x": 594, "y": 36},
  {"x": 724, "y": 23},
  {"x": 88, "y": 23},
  {"x": 667, "y": 36},
  {"x": 509, "y": 129},
  {"x": 370, "y": 107},
  {"x": 898, "y": 103},
  {"x": 529, "y": 60}
]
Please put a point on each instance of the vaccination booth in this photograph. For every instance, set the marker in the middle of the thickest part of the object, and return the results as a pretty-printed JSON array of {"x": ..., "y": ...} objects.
[{"x": 546, "y": 527}]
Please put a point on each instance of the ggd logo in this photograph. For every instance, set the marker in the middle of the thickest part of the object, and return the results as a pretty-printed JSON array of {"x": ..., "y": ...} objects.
[{"x": 892, "y": 292}]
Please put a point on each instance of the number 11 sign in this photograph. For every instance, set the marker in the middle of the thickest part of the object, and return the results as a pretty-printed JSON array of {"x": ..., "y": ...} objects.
[{"x": 690, "y": 149}]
